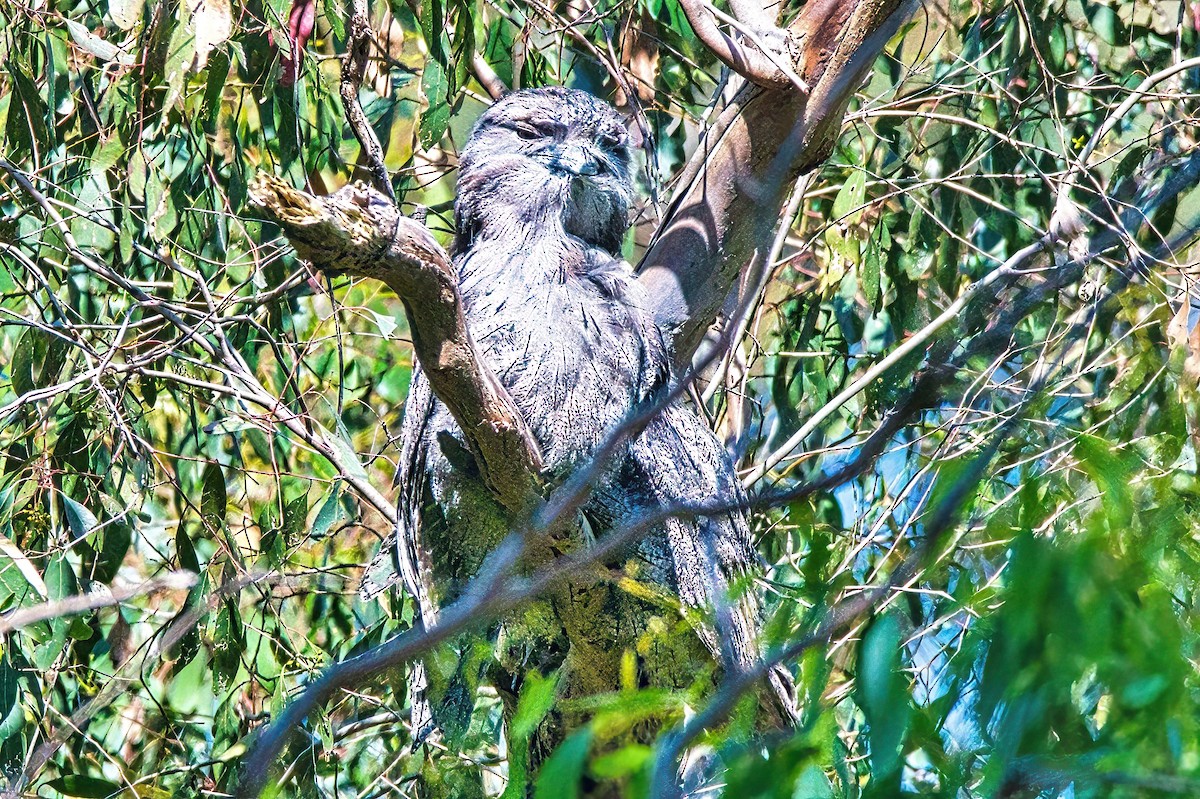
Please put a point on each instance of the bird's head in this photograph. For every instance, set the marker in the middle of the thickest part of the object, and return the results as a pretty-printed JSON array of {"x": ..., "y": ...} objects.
[{"x": 540, "y": 152}]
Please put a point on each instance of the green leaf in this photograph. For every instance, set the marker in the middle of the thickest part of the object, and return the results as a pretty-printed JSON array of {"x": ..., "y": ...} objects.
[
  {"x": 214, "y": 90},
  {"x": 78, "y": 785},
  {"x": 81, "y": 520},
  {"x": 213, "y": 499},
  {"x": 38, "y": 359},
  {"x": 623, "y": 762},
  {"x": 1111, "y": 475},
  {"x": 60, "y": 583},
  {"x": 180, "y": 51},
  {"x": 20, "y": 370},
  {"x": 882, "y": 692},
  {"x": 117, "y": 539},
  {"x": 847, "y": 210},
  {"x": 385, "y": 322},
  {"x": 537, "y": 697},
  {"x": 12, "y": 715},
  {"x": 96, "y": 45},
  {"x": 330, "y": 512},
  {"x": 60, "y": 578},
  {"x": 1106, "y": 23},
  {"x": 560, "y": 775},
  {"x": 185, "y": 551},
  {"x": 812, "y": 784},
  {"x": 333, "y": 14},
  {"x": 464, "y": 47},
  {"x": 295, "y": 516},
  {"x": 435, "y": 85},
  {"x": 849, "y": 200},
  {"x": 535, "y": 701},
  {"x": 871, "y": 270},
  {"x": 27, "y": 113},
  {"x": 352, "y": 465},
  {"x": 394, "y": 384},
  {"x": 228, "y": 644}
]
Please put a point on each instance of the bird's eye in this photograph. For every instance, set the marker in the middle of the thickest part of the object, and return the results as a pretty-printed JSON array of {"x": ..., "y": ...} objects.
[
  {"x": 527, "y": 132},
  {"x": 612, "y": 141}
]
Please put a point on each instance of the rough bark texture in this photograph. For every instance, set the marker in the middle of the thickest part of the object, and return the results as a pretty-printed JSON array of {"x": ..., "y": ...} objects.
[
  {"x": 358, "y": 230},
  {"x": 731, "y": 191}
]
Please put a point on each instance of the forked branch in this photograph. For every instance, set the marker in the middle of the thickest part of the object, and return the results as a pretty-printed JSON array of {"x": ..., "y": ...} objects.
[
  {"x": 760, "y": 54},
  {"x": 359, "y": 231},
  {"x": 731, "y": 190}
]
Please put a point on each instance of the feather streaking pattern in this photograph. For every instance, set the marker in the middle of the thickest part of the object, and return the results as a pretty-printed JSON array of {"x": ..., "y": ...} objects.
[{"x": 544, "y": 192}]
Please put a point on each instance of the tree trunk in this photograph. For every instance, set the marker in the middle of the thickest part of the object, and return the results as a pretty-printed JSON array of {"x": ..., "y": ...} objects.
[{"x": 732, "y": 189}]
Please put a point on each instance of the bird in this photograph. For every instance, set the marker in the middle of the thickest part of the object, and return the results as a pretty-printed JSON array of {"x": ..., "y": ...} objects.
[{"x": 544, "y": 193}]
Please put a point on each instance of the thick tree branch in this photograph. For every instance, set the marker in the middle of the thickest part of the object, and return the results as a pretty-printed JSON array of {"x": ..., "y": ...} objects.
[
  {"x": 359, "y": 231},
  {"x": 755, "y": 13},
  {"x": 730, "y": 191},
  {"x": 757, "y": 64}
]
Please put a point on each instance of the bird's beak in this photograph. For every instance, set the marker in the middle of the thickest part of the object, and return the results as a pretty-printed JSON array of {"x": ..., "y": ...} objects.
[{"x": 574, "y": 159}]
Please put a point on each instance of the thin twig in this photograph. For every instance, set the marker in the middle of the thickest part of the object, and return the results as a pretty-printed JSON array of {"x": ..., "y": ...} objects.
[
  {"x": 354, "y": 69},
  {"x": 103, "y": 597}
]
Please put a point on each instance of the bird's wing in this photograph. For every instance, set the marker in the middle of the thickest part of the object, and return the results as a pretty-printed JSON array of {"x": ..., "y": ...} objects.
[
  {"x": 682, "y": 462},
  {"x": 403, "y": 555}
]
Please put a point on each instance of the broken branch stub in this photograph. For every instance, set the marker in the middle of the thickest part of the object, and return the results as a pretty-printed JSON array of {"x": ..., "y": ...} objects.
[{"x": 359, "y": 231}]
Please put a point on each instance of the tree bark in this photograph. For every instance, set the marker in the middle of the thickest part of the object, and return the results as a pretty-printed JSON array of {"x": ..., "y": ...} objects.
[
  {"x": 358, "y": 230},
  {"x": 731, "y": 190}
]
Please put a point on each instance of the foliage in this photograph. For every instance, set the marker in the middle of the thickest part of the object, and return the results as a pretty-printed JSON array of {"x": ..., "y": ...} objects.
[{"x": 156, "y": 338}]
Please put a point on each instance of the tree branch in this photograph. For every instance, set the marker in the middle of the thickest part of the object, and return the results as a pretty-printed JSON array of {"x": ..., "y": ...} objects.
[
  {"x": 757, "y": 65},
  {"x": 359, "y": 231},
  {"x": 755, "y": 14},
  {"x": 487, "y": 77},
  {"x": 102, "y": 597},
  {"x": 354, "y": 67},
  {"x": 750, "y": 157}
]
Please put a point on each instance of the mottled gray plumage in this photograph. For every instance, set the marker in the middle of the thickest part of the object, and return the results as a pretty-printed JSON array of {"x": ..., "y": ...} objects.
[{"x": 544, "y": 192}]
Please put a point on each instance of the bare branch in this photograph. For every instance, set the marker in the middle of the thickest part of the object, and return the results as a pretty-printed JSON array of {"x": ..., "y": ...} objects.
[
  {"x": 103, "y": 597},
  {"x": 487, "y": 77},
  {"x": 360, "y": 231},
  {"x": 354, "y": 67},
  {"x": 750, "y": 157},
  {"x": 757, "y": 65}
]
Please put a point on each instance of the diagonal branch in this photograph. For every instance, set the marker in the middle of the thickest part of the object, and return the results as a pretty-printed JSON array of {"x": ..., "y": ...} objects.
[
  {"x": 763, "y": 140},
  {"x": 360, "y": 231},
  {"x": 354, "y": 67}
]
